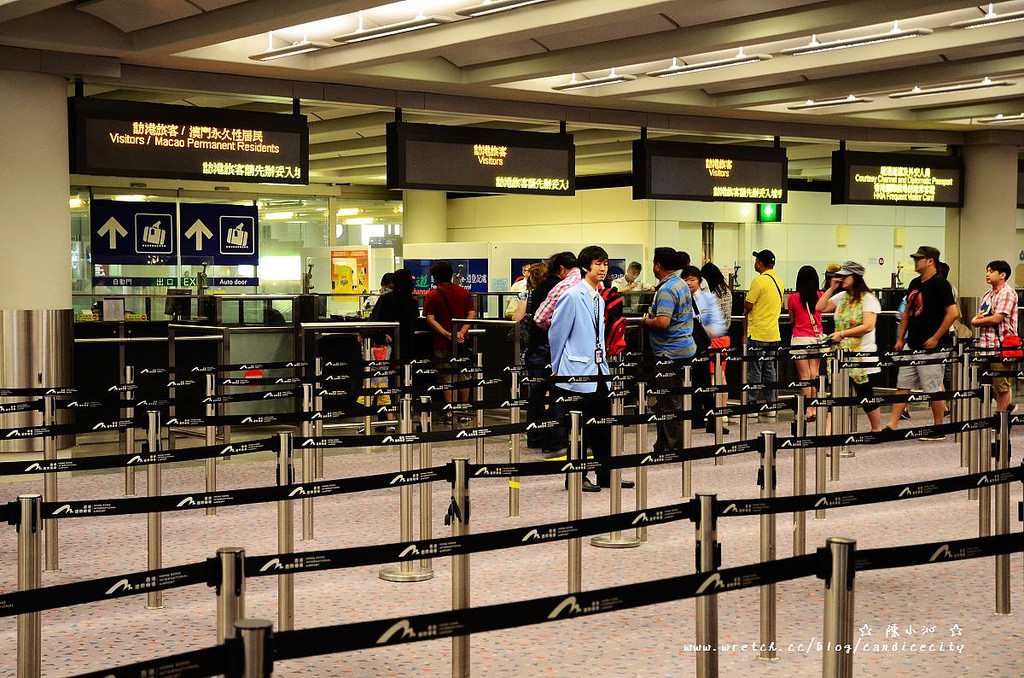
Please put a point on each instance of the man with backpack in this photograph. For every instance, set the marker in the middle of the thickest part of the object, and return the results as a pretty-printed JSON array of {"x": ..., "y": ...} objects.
[
  {"x": 669, "y": 326},
  {"x": 763, "y": 305}
]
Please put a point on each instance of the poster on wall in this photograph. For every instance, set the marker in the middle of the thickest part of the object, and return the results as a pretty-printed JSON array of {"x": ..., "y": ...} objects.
[
  {"x": 350, "y": 271},
  {"x": 470, "y": 273}
]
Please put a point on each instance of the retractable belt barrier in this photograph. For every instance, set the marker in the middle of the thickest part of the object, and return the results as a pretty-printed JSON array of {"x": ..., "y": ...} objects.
[
  {"x": 895, "y": 398},
  {"x": 30, "y": 406},
  {"x": 209, "y": 661},
  {"x": 66, "y": 429},
  {"x": 872, "y": 437}
]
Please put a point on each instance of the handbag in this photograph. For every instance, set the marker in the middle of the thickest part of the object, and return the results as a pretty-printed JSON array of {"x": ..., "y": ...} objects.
[
  {"x": 700, "y": 334},
  {"x": 1013, "y": 343}
]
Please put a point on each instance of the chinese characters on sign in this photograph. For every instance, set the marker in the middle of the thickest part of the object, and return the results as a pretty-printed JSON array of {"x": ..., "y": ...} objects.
[{"x": 889, "y": 179}]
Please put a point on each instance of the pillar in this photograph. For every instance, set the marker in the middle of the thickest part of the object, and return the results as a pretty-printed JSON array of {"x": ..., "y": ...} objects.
[
  {"x": 425, "y": 217},
  {"x": 35, "y": 223},
  {"x": 984, "y": 229}
]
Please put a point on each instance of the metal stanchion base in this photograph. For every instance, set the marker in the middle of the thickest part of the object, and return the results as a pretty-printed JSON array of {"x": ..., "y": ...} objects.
[
  {"x": 408, "y": 575},
  {"x": 155, "y": 607},
  {"x": 606, "y": 541},
  {"x": 771, "y": 658},
  {"x": 847, "y": 452}
]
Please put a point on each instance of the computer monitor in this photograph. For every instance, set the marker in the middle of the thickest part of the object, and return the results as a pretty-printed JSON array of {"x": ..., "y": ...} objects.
[{"x": 178, "y": 303}]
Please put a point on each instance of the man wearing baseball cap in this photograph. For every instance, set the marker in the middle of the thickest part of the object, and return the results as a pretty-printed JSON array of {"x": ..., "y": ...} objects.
[
  {"x": 763, "y": 306},
  {"x": 931, "y": 310}
]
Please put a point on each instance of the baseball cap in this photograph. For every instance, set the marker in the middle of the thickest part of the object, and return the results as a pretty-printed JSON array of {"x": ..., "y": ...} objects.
[
  {"x": 851, "y": 268},
  {"x": 925, "y": 252},
  {"x": 766, "y": 257},
  {"x": 831, "y": 269}
]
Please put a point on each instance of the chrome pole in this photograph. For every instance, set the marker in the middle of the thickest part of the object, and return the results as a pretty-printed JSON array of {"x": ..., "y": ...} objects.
[
  {"x": 615, "y": 539},
  {"x": 641, "y": 448},
  {"x": 478, "y": 395},
  {"x": 744, "y": 376},
  {"x": 800, "y": 478},
  {"x": 308, "y": 463},
  {"x": 50, "y": 529},
  {"x": 835, "y": 451},
  {"x": 460, "y": 564},
  {"x": 837, "y": 650},
  {"x": 128, "y": 412},
  {"x": 985, "y": 464},
  {"x": 367, "y": 383},
  {"x": 426, "y": 500},
  {"x": 154, "y": 519},
  {"x": 717, "y": 398},
  {"x": 230, "y": 591},
  {"x": 973, "y": 440},
  {"x": 514, "y": 448},
  {"x": 1003, "y": 602},
  {"x": 30, "y": 576},
  {"x": 820, "y": 428},
  {"x": 707, "y": 606},
  {"x": 257, "y": 653},
  {"x": 318, "y": 406},
  {"x": 687, "y": 466},
  {"x": 285, "y": 533},
  {"x": 575, "y": 566},
  {"x": 211, "y": 439},
  {"x": 768, "y": 651}
]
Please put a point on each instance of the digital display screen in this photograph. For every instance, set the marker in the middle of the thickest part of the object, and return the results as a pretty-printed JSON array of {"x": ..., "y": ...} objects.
[
  {"x": 479, "y": 160},
  {"x": 680, "y": 171},
  {"x": 893, "y": 179},
  {"x": 124, "y": 138}
]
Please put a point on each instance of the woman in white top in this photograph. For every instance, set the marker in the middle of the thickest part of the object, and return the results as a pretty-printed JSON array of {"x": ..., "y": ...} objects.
[{"x": 856, "y": 310}]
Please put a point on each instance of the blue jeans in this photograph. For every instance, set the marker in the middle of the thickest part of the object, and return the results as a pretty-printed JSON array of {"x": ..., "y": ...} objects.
[{"x": 762, "y": 372}]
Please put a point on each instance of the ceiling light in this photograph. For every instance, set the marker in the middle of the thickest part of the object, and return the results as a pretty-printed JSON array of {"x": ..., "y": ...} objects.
[
  {"x": 738, "y": 60},
  {"x": 825, "y": 103},
  {"x": 130, "y": 198},
  {"x": 1001, "y": 119},
  {"x": 896, "y": 33},
  {"x": 495, "y": 6},
  {"x": 361, "y": 34},
  {"x": 610, "y": 79},
  {"x": 75, "y": 201},
  {"x": 990, "y": 19},
  {"x": 278, "y": 216},
  {"x": 301, "y": 47},
  {"x": 348, "y": 211},
  {"x": 359, "y": 221},
  {"x": 984, "y": 83}
]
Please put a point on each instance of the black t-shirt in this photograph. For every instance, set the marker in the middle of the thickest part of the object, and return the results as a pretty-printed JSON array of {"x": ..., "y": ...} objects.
[
  {"x": 926, "y": 305},
  {"x": 538, "y": 336},
  {"x": 393, "y": 307}
]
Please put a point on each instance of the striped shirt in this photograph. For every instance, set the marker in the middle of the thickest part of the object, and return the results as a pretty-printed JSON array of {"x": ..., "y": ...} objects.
[
  {"x": 1003, "y": 300},
  {"x": 673, "y": 300},
  {"x": 547, "y": 307}
]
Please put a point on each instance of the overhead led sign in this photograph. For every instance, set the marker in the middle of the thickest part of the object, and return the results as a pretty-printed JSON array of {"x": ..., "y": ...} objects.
[
  {"x": 479, "y": 160},
  {"x": 896, "y": 179},
  {"x": 680, "y": 171},
  {"x": 123, "y": 138}
]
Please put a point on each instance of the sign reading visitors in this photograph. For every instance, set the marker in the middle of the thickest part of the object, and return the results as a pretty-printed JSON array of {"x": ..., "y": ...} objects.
[
  {"x": 148, "y": 233},
  {"x": 896, "y": 179},
  {"x": 679, "y": 171},
  {"x": 121, "y": 138},
  {"x": 479, "y": 160}
]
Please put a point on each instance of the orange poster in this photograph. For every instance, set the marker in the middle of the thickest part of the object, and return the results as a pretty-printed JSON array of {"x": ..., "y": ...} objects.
[{"x": 350, "y": 271}]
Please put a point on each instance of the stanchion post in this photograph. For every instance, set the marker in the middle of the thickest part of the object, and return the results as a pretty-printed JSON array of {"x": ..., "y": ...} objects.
[
  {"x": 478, "y": 396},
  {"x": 964, "y": 410},
  {"x": 514, "y": 448},
  {"x": 767, "y": 480},
  {"x": 257, "y": 654},
  {"x": 308, "y": 462},
  {"x": 744, "y": 399},
  {"x": 1003, "y": 603},
  {"x": 716, "y": 380},
  {"x": 128, "y": 412},
  {"x": 615, "y": 539},
  {"x": 460, "y": 563},
  {"x": 318, "y": 406},
  {"x": 575, "y": 566},
  {"x": 837, "y": 418},
  {"x": 154, "y": 519},
  {"x": 707, "y": 606},
  {"x": 973, "y": 439},
  {"x": 837, "y": 650},
  {"x": 51, "y": 541},
  {"x": 846, "y": 414},
  {"x": 367, "y": 384},
  {"x": 211, "y": 439},
  {"x": 687, "y": 467},
  {"x": 426, "y": 501},
  {"x": 406, "y": 570},
  {"x": 641, "y": 448},
  {"x": 800, "y": 478},
  {"x": 285, "y": 533},
  {"x": 985, "y": 464},
  {"x": 820, "y": 424},
  {"x": 30, "y": 576},
  {"x": 230, "y": 591}
]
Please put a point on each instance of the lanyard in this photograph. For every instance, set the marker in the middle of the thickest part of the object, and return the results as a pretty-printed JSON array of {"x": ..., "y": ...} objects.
[{"x": 597, "y": 320}]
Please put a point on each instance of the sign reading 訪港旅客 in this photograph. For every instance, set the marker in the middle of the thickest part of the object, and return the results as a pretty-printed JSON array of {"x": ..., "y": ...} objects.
[
  {"x": 149, "y": 233},
  {"x": 470, "y": 273}
]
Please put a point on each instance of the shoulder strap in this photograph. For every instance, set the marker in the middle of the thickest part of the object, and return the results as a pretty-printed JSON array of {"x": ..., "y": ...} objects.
[
  {"x": 444, "y": 298},
  {"x": 781, "y": 297}
]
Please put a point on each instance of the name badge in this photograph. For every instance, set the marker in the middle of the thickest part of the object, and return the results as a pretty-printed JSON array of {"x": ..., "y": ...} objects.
[{"x": 598, "y": 356}]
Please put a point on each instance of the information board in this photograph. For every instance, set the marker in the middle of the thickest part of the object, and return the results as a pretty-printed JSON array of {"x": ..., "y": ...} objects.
[
  {"x": 709, "y": 172},
  {"x": 470, "y": 273},
  {"x": 860, "y": 178},
  {"x": 131, "y": 139},
  {"x": 479, "y": 160}
]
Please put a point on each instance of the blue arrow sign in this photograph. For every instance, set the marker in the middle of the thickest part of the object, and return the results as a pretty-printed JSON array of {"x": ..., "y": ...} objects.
[
  {"x": 133, "y": 232},
  {"x": 223, "y": 235}
]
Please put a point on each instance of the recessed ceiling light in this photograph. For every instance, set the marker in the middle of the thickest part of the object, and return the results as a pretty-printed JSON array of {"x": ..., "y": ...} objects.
[
  {"x": 361, "y": 34},
  {"x": 495, "y": 6},
  {"x": 897, "y": 33},
  {"x": 278, "y": 216},
  {"x": 738, "y": 60},
  {"x": 301, "y": 47},
  {"x": 610, "y": 79},
  {"x": 984, "y": 83},
  {"x": 1001, "y": 119},
  {"x": 990, "y": 19},
  {"x": 825, "y": 103}
]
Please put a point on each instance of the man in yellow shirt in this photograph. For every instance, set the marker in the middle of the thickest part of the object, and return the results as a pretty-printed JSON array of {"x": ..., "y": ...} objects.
[{"x": 763, "y": 306}]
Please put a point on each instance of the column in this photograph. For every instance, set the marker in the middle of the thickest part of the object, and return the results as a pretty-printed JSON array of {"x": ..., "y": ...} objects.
[
  {"x": 425, "y": 217},
  {"x": 984, "y": 229},
  {"x": 35, "y": 223}
]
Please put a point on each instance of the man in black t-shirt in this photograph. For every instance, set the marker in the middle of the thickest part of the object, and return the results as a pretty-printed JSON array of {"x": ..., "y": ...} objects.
[{"x": 931, "y": 310}]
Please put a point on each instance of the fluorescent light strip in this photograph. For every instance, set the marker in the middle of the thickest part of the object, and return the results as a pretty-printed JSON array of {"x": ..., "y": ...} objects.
[
  {"x": 895, "y": 34},
  {"x": 990, "y": 19},
  {"x": 738, "y": 60},
  {"x": 1003, "y": 119},
  {"x": 985, "y": 83},
  {"x": 495, "y": 6},
  {"x": 416, "y": 24},
  {"x": 301, "y": 47},
  {"x": 825, "y": 103},
  {"x": 610, "y": 79}
]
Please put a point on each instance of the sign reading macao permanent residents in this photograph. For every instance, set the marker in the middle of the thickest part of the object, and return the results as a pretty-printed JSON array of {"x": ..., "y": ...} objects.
[{"x": 130, "y": 139}]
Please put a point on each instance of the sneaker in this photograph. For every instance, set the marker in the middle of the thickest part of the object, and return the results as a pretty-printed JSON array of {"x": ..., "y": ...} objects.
[{"x": 905, "y": 414}]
